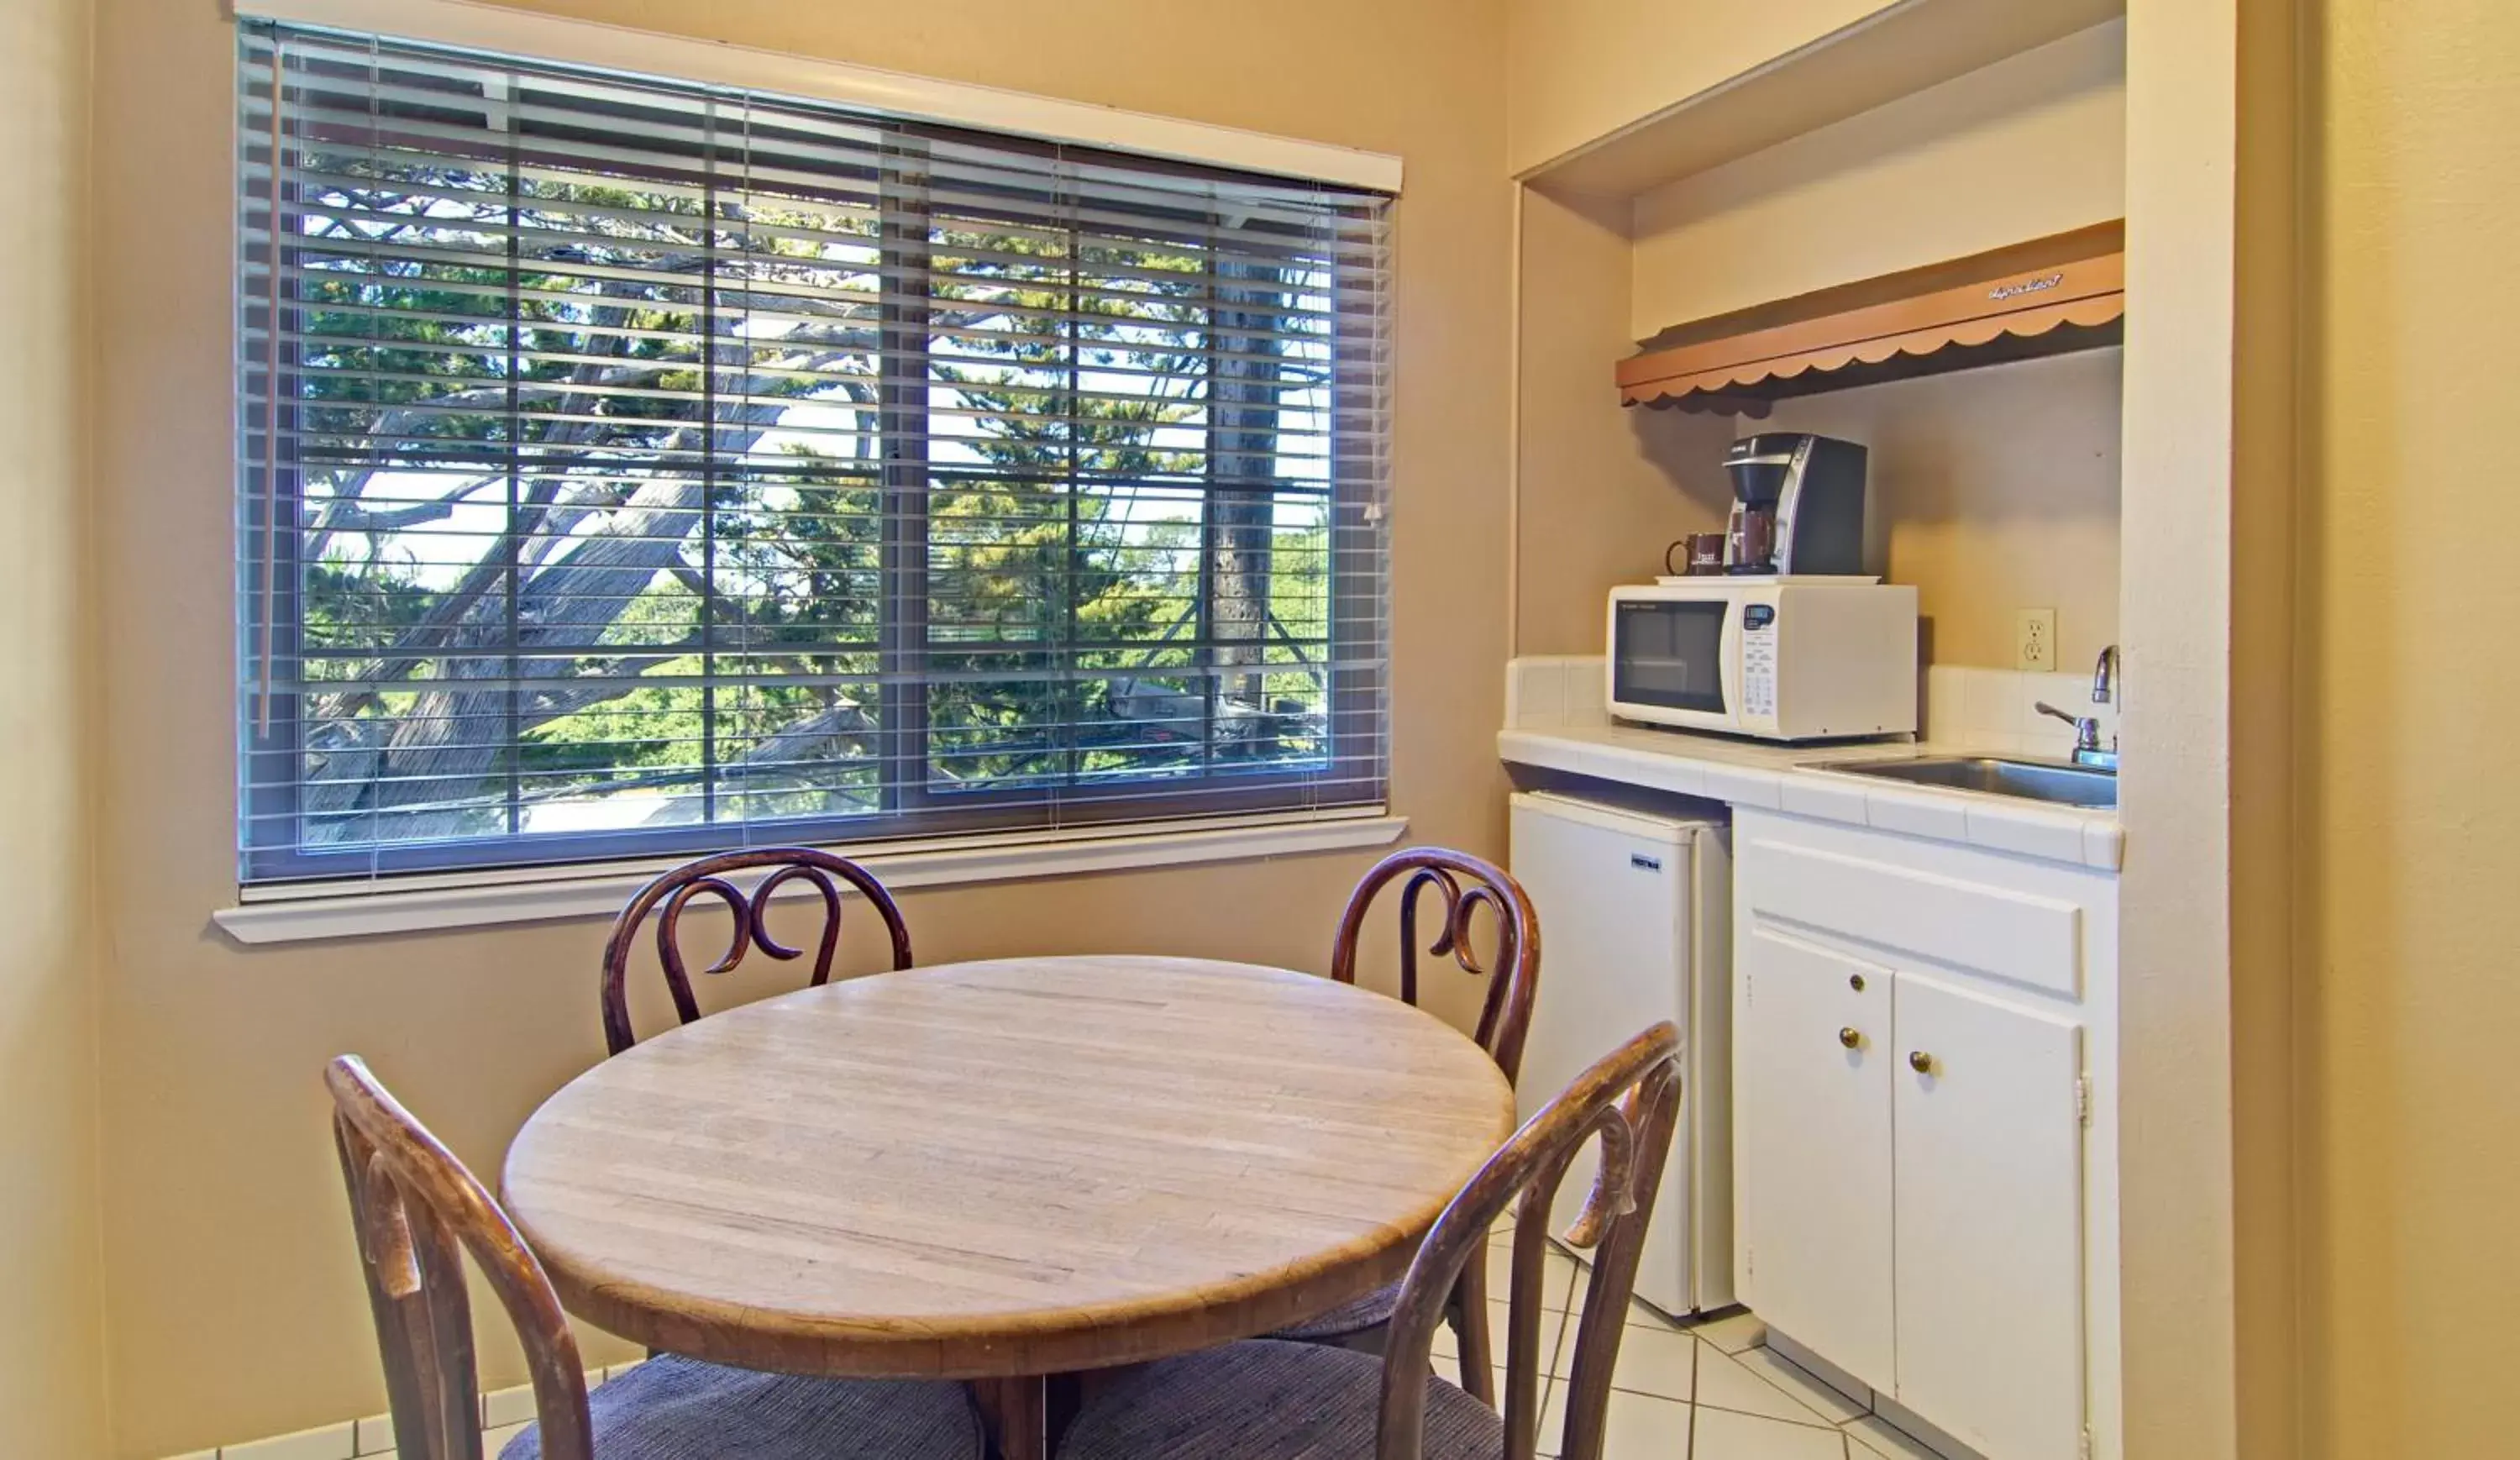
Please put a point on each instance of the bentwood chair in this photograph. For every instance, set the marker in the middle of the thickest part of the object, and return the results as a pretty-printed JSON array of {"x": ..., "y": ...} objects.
[
  {"x": 418, "y": 1213},
  {"x": 1462, "y": 883},
  {"x": 1268, "y": 1399},
  {"x": 667, "y": 896}
]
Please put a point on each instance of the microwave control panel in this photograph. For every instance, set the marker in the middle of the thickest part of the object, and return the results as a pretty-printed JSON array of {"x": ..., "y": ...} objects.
[{"x": 1758, "y": 661}]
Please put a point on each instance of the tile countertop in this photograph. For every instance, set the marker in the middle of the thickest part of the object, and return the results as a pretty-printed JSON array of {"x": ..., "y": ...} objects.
[{"x": 1559, "y": 731}]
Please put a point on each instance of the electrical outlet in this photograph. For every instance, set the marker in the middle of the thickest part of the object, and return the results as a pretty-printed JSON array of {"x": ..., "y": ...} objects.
[{"x": 2034, "y": 640}]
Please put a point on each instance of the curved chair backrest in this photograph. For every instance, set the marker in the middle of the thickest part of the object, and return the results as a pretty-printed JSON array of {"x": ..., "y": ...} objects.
[
  {"x": 418, "y": 1211},
  {"x": 669, "y": 894},
  {"x": 1628, "y": 1102},
  {"x": 1465, "y": 883}
]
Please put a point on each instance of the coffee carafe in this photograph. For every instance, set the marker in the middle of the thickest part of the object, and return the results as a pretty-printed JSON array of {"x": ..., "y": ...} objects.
[{"x": 1797, "y": 506}]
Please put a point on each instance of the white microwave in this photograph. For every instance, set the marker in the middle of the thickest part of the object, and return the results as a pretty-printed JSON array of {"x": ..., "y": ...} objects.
[{"x": 1777, "y": 657}]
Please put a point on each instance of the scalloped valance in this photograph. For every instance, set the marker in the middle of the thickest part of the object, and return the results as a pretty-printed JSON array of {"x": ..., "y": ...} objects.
[{"x": 2047, "y": 297}]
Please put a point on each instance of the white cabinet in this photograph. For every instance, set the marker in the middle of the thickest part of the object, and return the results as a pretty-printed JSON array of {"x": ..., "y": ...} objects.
[
  {"x": 1925, "y": 1176},
  {"x": 1812, "y": 1148},
  {"x": 1988, "y": 1210}
]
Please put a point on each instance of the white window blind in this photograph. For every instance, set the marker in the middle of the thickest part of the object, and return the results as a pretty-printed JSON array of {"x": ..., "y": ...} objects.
[{"x": 630, "y": 466}]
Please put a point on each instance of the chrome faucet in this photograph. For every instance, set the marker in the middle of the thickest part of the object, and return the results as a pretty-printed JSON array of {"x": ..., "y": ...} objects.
[{"x": 2086, "y": 727}]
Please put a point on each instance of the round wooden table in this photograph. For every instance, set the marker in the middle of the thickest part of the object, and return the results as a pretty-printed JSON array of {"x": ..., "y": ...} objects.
[{"x": 998, "y": 1171}]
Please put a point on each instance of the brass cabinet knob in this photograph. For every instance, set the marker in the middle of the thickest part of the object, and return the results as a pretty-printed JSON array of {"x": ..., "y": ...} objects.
[
  {"x": 1920, "y": 1062},
  {"x": 1855, "y": 982},
  {"x": 1850, "y": 1036}
]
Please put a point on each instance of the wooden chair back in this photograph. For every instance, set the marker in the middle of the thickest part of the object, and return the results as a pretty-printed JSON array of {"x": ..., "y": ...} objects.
[
  {"x": 418, "y": 1211},
  {"x": 1465, "y": 884},
  {"x": 670, "y": 893},
  {"x": 1629, "y": 1103}
]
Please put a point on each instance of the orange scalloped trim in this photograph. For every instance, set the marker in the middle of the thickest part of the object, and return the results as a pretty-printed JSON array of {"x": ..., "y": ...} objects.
[{"x": 2099, "y": 309}]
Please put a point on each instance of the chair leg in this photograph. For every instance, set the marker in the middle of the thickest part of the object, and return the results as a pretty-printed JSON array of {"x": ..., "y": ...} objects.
[{"x": 1468, "y": 1312}]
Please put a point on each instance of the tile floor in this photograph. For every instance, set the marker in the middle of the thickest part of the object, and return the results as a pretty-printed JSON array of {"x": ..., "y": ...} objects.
[{"x": 1709, "y": 1390}]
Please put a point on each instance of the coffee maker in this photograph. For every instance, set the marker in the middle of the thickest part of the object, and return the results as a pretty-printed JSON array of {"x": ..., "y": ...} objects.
[{"x": 1797, "y": 506}]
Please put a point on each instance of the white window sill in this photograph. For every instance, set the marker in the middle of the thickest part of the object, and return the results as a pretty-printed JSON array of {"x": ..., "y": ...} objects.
[{"x": 360, "y": 908}]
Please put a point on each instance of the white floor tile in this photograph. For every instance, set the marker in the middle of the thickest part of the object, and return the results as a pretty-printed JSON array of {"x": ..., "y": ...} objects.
[
  {"x": 495, "y": 1441},
  {"x": 615, "y": 1371},
  {"x": 1724, "y": 1383},
  {"x": 1557, "y": 1271},
  {"x": 1802, "y": 1383},
  {"x": 327, "y": 1443},
  {"x": 1641, "y": 1426},
  {"x": 1732, "y": 1334},
  {"x": 1552, "y": 1325},
  {"x": 1722, "y": 1434},
  {"x": 1651, "y": 1361},
  {"x": 1874, "y": 1436},
  {"x": 374, "y": 1434}
]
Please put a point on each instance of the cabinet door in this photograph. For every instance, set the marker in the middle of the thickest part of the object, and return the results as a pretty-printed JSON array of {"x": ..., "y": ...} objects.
[
  {"x": 1990, "y": 1221},
  {"x": 1810, "y": 1147}
]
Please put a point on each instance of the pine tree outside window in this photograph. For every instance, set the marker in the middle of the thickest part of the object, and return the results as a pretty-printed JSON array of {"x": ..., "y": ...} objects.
[{"x": 632, "y": 467}]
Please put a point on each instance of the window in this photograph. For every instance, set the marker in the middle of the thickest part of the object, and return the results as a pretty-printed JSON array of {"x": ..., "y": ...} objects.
[{"x": 629, "y": 466}]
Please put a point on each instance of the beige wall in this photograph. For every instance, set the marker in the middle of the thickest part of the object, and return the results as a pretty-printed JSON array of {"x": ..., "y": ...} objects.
[
  {"x": 52, "y": 1359},
  {"x": 2409, "y": 1134},
  {"x": 233, "y": 1306},
  {"x": 1603, "y": 488},
  {"x": 1581, "y": 69},
  {"x": 1999, "y": 490},
  {"x": 2024, "y": 147}
]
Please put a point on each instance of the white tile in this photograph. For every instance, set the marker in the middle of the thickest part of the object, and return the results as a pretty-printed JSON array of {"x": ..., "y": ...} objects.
[
  {"x": 1536, "y": 693},
  {"x": 1722, "y": 1434},
  {"x": 1946, "y": 702},
  {"x": 1873, "y": 1437},
  {"x": 508, "y": 1406},
  {"x": 1803, "y": 1385},
  {"x": 1652, "y": 1360},
  {"x": 197, "y": 1455},
  {"x": 1588, "y": 693},
  {"x": 1996, "y": 702},
  {"x": 495, "y": 1441},
  {"x": 615, "y": 1371},
  {"x": 1916, "y": 814},
  {"x": 327, "y": 1443},
  {"x": 1641, "y": 1426},
  {"x": 1552, "y": 1325},
  {"x": 1732, "y": 1333},
  {"x": 1824, "y": 796},
  {"x": 2026, "y": 832},
  {"x": 1724, "y": 1382},
  {"x": 1634, "y": 1427},
  {"x": 374, "y": 1434},
  {"x": 1556, "y": 1272}
]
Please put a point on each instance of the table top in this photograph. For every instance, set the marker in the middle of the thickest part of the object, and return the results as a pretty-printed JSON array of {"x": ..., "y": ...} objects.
[{"x": 1020, "y": 1167}]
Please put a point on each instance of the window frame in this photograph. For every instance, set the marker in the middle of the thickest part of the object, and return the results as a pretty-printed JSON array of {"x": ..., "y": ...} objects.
[{"x": 1356, "y": 721}]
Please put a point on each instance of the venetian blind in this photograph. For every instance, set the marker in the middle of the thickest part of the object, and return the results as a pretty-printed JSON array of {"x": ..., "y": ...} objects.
[{"x": 628, "y": 466}]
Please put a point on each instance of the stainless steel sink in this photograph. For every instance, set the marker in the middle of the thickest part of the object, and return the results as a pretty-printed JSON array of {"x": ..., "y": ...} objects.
[{"x": 2029, "y": 780}]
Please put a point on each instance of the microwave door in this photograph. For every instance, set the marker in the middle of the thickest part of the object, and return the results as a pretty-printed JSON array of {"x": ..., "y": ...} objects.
[{"x": 1669, "y": 654}]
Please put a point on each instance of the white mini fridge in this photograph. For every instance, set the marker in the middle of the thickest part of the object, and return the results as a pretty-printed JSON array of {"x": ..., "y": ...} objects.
[{"x": 1635, "y": 926}]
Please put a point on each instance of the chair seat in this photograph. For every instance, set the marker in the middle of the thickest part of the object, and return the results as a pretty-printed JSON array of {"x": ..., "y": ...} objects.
[
  {"x": 1266, "y": 1399},
  {"x": 1347, "y": 1320},
  {"x": 682, "y": 1409}
]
